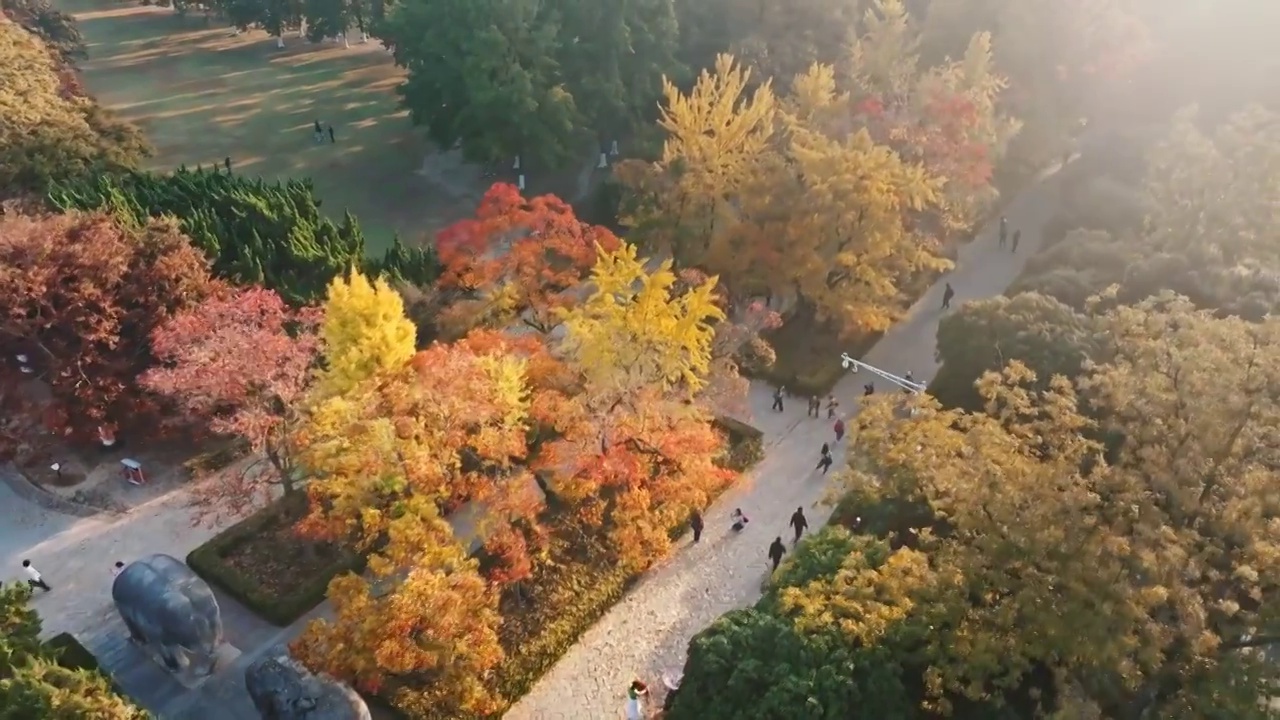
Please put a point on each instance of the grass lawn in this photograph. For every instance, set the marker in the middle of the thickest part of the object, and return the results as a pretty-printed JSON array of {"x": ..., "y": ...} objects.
[{"x": 201, "y": 93}]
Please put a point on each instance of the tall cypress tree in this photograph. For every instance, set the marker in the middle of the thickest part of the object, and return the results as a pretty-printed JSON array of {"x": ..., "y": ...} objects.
[{"x": 254, "y": 232}]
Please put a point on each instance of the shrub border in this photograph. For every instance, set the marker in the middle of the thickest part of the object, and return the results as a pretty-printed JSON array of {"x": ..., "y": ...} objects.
[
  {"x": 282, "y": 610},
  {"x": 70, "y": 653}
]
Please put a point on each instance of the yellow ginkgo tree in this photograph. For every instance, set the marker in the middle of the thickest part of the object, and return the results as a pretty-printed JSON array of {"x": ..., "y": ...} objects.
[
  {"x": 365, "y": 332},
  {"x": 636, "y": 448},
  {"x": 634, "y": 330}
]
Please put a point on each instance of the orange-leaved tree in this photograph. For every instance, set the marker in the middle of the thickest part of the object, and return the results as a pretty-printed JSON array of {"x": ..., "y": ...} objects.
[
  {"x": 387, "y": 457},
  {"x": 518, "y": 259},
  {"x": 240, "y": 362},
  {"x": 635, "y": 452}
]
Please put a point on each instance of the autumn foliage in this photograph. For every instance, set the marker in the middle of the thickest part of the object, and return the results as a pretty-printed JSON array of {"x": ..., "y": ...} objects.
[
  {"x": 388, "y": 456},
  {"x": 82, "y": 296},
  {"x": 240, "y": 362},
  {"x": 517, "y": 259}
]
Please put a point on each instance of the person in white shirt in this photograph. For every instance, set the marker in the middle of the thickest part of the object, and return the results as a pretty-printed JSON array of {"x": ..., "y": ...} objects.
[{"x": 34, "y": 579}]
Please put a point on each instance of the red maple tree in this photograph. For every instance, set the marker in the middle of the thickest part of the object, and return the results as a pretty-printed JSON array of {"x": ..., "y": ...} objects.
[
  {"x": 535, "y": 252},
  {"x": 81, "y": 297},
  {"x": 240, "y": 362}
]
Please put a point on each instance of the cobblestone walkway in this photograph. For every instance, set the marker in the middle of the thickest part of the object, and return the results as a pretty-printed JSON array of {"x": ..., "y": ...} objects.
[{"x": 649, "y": 631}]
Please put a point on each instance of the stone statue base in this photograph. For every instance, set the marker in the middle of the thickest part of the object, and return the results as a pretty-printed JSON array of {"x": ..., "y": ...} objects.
[{"x": 223, "y": 658}]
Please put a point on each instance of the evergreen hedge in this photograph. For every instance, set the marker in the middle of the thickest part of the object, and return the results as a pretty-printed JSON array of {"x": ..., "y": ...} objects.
[{"x": 254, "y": 232}]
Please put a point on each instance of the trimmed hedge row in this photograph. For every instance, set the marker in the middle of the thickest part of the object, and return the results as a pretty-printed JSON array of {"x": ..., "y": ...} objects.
[
  {"x": 280, "y": 610},
  {"x": 70, "y": 654},
  {"x": 579, "y": 594},
  {"x": 745, "y": 444}
]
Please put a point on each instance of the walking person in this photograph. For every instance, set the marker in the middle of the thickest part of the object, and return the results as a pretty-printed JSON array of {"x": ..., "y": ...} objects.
[
  {"x": 815, "y": 405},
  {"x": 695, "y": 522},
  {"x": 777, "y": 398},
  {"x": 1017, "y": 238},
  {"x": 117, "y": 569},
  {"x": 824, "y": 462},
  {"x": 1004, "y": 231},
  {"x": 776, "y": 551},
  {"x": 226, "y": 161},
  {"x": 832, "y": 404},
  {"x": 947, "y": 295},
  {"x": 869, "y": 389},
  {"x": 799, "y": 522},
  {"x": 319, "y": 131},
  {"x": 332, "y": 140},
  {"x": 34, "y": 578},
  {"x": 839, "y": 428}
]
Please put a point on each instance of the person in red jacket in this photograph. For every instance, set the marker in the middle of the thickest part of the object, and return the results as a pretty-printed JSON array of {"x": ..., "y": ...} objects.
[{"x": 839, "y": 429}]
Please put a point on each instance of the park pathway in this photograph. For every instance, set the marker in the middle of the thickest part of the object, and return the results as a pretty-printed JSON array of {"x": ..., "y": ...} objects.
[{"x": 648, "y": 632}]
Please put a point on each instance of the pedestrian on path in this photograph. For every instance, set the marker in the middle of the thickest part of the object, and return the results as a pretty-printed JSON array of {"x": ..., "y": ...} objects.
[
  {"x": 777, "y": 398},
  {"x": 332, "y": 139},
  {"x": 776, "y": 551},
  {"x": 947, "y": 295},
  {"x": 815, "y": 405},
  {"x": 869, "y": 389},
  {"x": 739, "y": 519},
  {"x": 636, "y": 695},
  {"x": 832, "y": 404},
  {"x": 839, "y": 428},
  {"x": 1017, "y": 238},
  {"x": 117, "y": 568},
  {"x": 226, "y": 161},
  {"x": 798, "y": 522},
  {"x": 1004, "y": 231},
  {"x": 319, "y": 131},
  {"x": 34, "y": 578},
  {"x": 695, "y": 522},
  {"x": 824, "y": 462}
]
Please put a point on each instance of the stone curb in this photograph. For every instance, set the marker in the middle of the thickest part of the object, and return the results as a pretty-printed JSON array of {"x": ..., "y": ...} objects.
[{"x": 31, "y": 492}]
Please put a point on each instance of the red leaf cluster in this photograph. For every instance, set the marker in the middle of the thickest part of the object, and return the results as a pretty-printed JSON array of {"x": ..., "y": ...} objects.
[
  {"x": 940, "y": 135},
  {"x": 81, "y": 297},
  {"x": 536, "y": 248},
  {"x": 239, "y": 362}
]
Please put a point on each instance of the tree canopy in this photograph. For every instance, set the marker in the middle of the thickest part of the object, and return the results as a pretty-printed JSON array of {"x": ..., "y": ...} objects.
[
  {"x": 789, "y": 196},
  {"x": 536, "y": 79},
  {"x": 50, "y": 131},
  {"x": 83, "y": 294}
]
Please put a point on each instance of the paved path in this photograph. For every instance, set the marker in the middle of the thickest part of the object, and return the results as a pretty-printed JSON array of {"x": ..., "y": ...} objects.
[{"x": 649, "y": 631}]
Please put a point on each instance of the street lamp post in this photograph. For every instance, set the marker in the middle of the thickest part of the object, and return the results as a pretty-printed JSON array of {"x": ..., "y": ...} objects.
[{"x": 855, "y": 365}]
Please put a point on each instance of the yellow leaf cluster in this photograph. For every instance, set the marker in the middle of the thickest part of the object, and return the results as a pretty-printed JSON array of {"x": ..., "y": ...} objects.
[
  {"x": 633, "y": 330},
  {"x": 365, "y": 333},
  {"x": 1149, "y": 559}
]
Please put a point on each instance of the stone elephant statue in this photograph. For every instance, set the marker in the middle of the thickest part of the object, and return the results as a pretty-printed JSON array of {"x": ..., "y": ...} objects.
[
  {"x": 170, "y": 612},
  {"x": 282, "y": 689}
]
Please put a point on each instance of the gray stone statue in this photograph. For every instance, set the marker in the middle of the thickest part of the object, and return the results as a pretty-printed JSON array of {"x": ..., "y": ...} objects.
[
  {"x": 282, "y": 689},
  {"x": 171, "y": 613}
]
